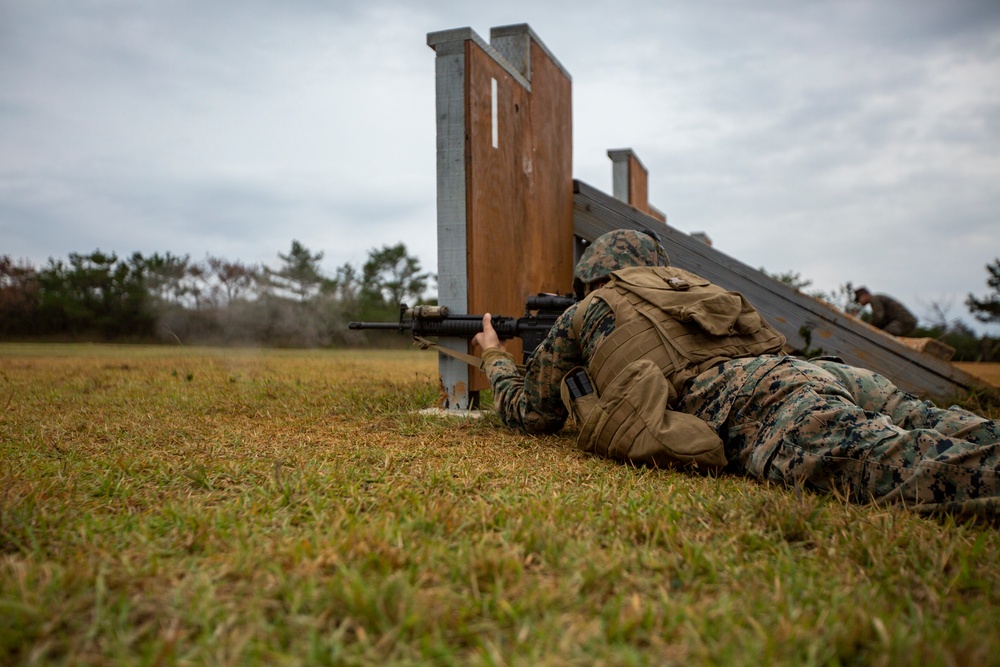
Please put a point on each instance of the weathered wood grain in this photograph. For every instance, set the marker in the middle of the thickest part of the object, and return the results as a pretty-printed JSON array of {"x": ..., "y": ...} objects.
[{"x": 505, "y": 182}]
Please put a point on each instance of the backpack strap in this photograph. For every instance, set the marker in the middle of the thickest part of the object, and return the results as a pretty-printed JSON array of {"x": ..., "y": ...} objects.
[{"x": 581, "y": 309}]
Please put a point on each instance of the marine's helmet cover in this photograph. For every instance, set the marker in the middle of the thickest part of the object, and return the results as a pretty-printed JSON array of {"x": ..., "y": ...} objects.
[{"x": 619, "y": 249}]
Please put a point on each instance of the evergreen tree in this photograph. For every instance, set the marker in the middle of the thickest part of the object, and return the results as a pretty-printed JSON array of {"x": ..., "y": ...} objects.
[
  {"x": 19, "y": 297},
  {"x": 391, "y": 276},
  {"x": 300, "y": 275},
  {"x": 987, "y": 309},
  {"x": 95, "y": 293}
]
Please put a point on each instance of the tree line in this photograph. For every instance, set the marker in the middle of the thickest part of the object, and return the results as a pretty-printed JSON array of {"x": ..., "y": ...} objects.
[{"x": 167, "y": 297}]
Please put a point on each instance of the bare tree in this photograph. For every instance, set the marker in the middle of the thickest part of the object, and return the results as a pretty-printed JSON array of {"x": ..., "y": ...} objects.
[{"x": 234, "y": 278}]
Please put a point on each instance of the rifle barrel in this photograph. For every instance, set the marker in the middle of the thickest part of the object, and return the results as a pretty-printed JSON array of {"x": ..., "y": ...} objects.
[
  {"x": 541, "y": 312},
  {"x": 459, "y": 326},
  {"x": 385, "y": 326}
]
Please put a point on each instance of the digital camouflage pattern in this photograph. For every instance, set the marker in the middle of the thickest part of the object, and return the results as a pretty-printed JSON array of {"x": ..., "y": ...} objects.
[
  {"x": 819, "y": 425},
  {"x": 615, "y": 250},
  {"x": 790, "y": 421},
  {"x": 891, "y": 316},
  {"x": 531, "y": 402},
  {"x": 875, "y": 393}
]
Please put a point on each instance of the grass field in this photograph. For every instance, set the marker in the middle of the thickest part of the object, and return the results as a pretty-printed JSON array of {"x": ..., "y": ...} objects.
[
  {"x": 988, "y": 372},
  {"x": 176, "y": 506}
]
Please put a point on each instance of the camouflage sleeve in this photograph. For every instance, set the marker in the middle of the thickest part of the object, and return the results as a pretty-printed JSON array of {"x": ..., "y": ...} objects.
[
  {"x": 531, "y": 402},
  {"x": 895, "y": 311},
  {"x": 879, "y": 315}
]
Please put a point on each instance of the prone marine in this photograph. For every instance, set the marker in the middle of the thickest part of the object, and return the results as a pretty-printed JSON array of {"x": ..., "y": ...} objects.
[{"x": 660, "y": 367}]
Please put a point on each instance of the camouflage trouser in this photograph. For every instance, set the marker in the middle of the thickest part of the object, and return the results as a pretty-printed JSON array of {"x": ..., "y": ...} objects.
[
  {"x": 898, "y": 328},
  {"x": 875, "y": 393},
  {"x": 793, "y": 422}
]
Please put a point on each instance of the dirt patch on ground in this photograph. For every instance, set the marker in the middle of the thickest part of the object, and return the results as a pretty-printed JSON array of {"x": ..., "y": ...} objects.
[{"x": 989, "y": 372}]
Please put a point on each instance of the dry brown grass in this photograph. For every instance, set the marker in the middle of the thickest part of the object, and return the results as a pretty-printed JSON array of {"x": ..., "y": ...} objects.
[
  {"x": 987, "y": 371},
  {"x": 195, "y": 506}
]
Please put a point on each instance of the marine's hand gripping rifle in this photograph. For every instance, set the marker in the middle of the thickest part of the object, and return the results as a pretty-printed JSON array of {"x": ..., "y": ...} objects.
[{"x": 540, "y": 313}]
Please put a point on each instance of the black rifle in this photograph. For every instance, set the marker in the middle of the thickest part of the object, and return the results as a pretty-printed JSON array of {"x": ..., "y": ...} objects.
[{"x": 540, "y": 313}]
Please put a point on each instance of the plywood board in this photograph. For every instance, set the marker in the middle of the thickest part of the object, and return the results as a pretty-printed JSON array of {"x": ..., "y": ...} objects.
[{"x": 514, "y": 179}]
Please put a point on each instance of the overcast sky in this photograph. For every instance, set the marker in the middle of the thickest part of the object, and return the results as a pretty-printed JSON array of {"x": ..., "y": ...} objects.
[{"x": 849, "y": 140}]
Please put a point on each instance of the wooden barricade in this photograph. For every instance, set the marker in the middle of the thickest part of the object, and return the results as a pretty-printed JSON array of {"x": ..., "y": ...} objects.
[
  {"x": 511, "y": 220},
  {"x": 504, "y": 180}
]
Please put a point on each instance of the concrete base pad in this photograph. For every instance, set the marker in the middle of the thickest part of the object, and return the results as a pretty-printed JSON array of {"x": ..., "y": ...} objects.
[{"x": 441, "y": 412}]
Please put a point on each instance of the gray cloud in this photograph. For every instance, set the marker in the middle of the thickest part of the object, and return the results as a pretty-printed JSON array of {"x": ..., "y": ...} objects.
[{"x": 854, "y": 140}]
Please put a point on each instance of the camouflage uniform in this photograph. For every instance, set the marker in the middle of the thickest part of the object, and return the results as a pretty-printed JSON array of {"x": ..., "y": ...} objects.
[
  {"x": 891, "y": 316},
  {"x": 875, "y": 393},
  {"x": 781, "y": 419},
  {"x": 531, "y": 402},
  {"x": 791, "y": 421}
]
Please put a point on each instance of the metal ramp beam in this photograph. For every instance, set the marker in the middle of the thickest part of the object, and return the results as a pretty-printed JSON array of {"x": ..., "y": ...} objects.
[{"x": 787, "y": 309}]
